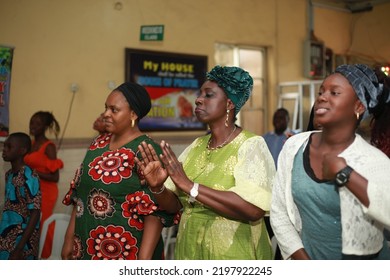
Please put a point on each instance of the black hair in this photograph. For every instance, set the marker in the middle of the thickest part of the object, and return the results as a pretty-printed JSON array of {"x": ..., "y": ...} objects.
[
  {"x": 23, "y": 140},
  {"x": 310, "y": 125},
  {"x": 49, "y": 120},
  {"x": 284, "y": 110}
]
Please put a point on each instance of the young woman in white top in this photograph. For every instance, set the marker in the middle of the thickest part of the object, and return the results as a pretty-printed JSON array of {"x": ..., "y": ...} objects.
[{"x": 331, "y": 195}]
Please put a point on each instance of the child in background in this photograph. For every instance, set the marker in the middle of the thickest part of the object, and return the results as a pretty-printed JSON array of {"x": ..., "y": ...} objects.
[
  {"x": 19, "y": 227},
  {"x": 99, "y": 125},
  {"x": 43, "y": 159}
]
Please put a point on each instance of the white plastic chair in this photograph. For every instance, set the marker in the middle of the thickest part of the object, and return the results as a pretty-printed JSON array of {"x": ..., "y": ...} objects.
[
  {"x": 169, "y": 237},
  {"x": 61, "y": 224}
]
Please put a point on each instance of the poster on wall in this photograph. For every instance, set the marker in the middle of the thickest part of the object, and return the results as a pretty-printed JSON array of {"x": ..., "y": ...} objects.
[
  {"x": 172, "y": 81},
  {"x": 6, "y": 55}
]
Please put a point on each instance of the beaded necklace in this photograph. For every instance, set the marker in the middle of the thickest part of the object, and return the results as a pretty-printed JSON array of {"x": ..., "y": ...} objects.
[{"x": 221, "y": 145}]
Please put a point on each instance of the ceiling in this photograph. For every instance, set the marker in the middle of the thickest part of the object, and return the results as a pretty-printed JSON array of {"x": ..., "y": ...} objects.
[{"x": 353, "y": 6}]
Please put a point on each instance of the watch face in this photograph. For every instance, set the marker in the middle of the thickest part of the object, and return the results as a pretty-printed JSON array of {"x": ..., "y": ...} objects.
[
  {"x": 341, "y": 178},
  {"x": 194, "y": 192}
]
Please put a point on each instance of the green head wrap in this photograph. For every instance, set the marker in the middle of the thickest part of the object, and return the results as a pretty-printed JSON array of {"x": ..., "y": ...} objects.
[{"x": 236, "y": 83}]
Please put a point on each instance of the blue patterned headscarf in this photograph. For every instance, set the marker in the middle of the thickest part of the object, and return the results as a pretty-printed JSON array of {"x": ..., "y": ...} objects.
[
  {"x": 365, "y": 84},
  {"x": 236, "y": 83}
]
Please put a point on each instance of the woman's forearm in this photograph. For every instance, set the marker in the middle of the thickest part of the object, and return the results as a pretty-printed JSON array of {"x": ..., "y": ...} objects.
[
  {"x": 51, "y": 177},
  {"x": 167, "y": 199},
  {"x": 151, "y": 236},
  {"x": 229, "y": 204},
  {"x": 67, "y": 247}
]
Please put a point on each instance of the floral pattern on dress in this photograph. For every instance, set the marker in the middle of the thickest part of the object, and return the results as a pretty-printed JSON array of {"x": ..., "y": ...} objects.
[
  {"x": 73, "y": 185},
  {"x": 111, "y": 242},
  {"x": 93, "y": 187},
  {"x": 100, "y": 141},
  {"x": 176, "y": 219},
  {"x": 136, "y": 205},
  {"x": 112, "y": 166},
  {"x": 79, "y": 207},
  {"x": 77, "y": 247},
  {"x": 100, "y": 204}
]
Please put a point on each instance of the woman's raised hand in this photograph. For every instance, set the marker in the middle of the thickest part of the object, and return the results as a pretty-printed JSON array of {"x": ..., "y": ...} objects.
[
  {"x": 150, "y": 166},
  {"x": 173, "y": 166}
]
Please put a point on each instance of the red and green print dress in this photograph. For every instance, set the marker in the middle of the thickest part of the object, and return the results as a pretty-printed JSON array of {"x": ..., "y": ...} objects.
[{"x": 111, "y": 203}]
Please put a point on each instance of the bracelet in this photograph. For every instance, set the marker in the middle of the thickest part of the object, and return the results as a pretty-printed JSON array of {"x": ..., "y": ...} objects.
[{"x": 160, "y": 191}]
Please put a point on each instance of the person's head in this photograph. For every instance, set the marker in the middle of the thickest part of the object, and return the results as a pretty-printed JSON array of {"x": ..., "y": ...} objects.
[
  {"x": 16, "y": 146},
  {"x": 347, "y": 95},
  {"x": 99, "y": 124},
  {"x": 280, "y": 120},
  {"x": 125, "y": 106},
  {"x": 223, "y": 94},
  {"x": 42, "y": 121},
  {"x": 380, "y": 121}
]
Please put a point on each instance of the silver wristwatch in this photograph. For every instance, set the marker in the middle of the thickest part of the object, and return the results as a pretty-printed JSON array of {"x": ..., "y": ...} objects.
[{"x": 194, "y": 193}]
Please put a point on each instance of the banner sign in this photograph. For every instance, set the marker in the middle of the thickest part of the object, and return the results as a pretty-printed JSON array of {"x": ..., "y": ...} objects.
[
  {"x": 172, "y": 81},
  {"x": 6, "y": 55}
]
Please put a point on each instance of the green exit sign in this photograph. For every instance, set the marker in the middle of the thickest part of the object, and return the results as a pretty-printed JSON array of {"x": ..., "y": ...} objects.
[{"x": 152, "y": 33}]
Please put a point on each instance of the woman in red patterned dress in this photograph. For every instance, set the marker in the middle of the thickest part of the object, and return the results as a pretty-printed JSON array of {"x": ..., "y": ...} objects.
[{"x": 114, "y": 215}]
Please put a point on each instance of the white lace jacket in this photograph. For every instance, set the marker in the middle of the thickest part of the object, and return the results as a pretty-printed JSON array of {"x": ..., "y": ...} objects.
[{"x": 362, "y": 228}]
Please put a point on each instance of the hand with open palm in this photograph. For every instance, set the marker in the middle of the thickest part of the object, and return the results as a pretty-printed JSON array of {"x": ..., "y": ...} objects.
[{"x": 150, "y": 166}]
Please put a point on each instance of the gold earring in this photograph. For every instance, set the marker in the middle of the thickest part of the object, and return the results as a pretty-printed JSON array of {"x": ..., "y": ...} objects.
[
  {"x": 132, "y": 123},
  {"x": 227, "y": 118},
  {"x": 357, "y": 115}
]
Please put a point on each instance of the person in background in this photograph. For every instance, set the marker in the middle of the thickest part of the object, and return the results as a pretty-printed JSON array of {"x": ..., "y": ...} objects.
[
  {"x": 43, "y": 159},
  {"x": 99, "y": 124},
  {"x": 111, "y": 204},
  {"x": 380, "y": 122},
  {"x": 331, "y": 196},
  {"x": 222, "y": 181},
  {"x": 275, "y": 139},
  {"x": 19, "y": 226}
]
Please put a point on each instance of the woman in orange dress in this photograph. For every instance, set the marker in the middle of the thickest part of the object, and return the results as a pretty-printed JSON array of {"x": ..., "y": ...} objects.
[{"x": 43, "y": 158}]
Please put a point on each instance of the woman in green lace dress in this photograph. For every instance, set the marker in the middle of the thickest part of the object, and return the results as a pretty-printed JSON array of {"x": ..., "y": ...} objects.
[
  {"x": 222, "y": 181},
  {"x": 114, "y": 214}
]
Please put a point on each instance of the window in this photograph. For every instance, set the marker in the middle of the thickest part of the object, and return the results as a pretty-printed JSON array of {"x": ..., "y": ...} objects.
[{"x": 253, "y": 60}]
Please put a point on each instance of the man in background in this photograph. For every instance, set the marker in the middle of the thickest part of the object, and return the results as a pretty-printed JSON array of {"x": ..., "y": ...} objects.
[{"x": 275, "y": 139}]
